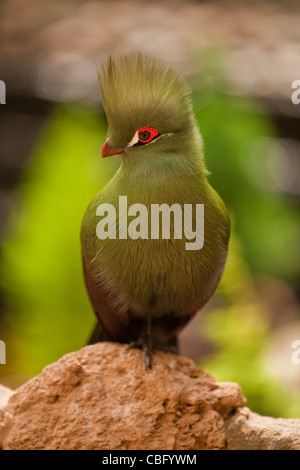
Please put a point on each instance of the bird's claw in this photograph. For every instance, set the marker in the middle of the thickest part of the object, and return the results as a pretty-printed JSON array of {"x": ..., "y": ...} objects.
[{"x": 144, "y": 345}]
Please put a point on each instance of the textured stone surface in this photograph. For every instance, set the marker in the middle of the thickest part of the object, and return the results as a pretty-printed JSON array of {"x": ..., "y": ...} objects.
[
  {"x": 249, "y": 431},
  {"x": 101, "y": 398}
]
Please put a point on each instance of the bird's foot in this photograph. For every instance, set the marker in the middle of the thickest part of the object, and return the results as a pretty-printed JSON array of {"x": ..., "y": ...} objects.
[{"x": 144, "y": 344}]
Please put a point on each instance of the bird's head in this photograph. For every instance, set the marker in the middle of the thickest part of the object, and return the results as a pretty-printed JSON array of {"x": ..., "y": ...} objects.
[{"x": 148, "y": 107}]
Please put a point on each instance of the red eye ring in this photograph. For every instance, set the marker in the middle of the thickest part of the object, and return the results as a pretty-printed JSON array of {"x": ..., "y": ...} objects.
[{"x": 146, "y": 134}]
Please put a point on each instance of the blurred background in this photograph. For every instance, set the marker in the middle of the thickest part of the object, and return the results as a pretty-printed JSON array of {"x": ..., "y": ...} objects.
[{"x": 240, "y": 59}]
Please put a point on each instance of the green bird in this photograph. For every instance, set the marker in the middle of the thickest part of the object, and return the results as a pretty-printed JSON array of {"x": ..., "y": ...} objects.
[{"x": 145, "y": 285}]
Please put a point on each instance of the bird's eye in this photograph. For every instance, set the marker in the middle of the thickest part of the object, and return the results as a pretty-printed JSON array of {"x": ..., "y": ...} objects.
[
  {"x": 147, "y": 134},
  {"x": 144, "y": 135}
]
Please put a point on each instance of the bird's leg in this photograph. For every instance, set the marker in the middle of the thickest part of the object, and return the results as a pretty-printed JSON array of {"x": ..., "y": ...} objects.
[
  {"x": 171, "y": 346},
  {"x": 147, "y": 344},
  {"x": 144, "y": 342}
]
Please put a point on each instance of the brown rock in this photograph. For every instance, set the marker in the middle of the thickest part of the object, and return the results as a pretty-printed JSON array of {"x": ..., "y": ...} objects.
[
  {"x": 101, "y": 398},
  {"x": 249, "y": 431}
]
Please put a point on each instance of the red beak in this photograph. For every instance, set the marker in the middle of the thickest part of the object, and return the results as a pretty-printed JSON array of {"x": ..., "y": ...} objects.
[{"x": 108, "y": 152}]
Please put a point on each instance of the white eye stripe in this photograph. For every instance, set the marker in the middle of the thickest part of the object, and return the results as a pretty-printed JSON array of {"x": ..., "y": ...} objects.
[{"x": 135, "y": 139}]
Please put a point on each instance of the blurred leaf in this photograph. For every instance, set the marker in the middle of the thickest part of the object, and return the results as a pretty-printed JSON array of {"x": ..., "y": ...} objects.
[
  {"x": 241, "y": 331},
  {"x": 41, "y": 270},
  {"x": 266, "y": 221}
]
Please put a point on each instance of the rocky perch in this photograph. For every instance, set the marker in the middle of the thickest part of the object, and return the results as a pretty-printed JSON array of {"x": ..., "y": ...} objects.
[{"x": 101, "y": 398}]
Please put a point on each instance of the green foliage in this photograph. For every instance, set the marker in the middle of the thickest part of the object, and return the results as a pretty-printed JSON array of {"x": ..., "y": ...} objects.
[
  {"x": 265, "y": 240},
  {"x": 267, "y": 222},
  {"x": 41, "y": 268},
  {"x": 241, "y": 331}
]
